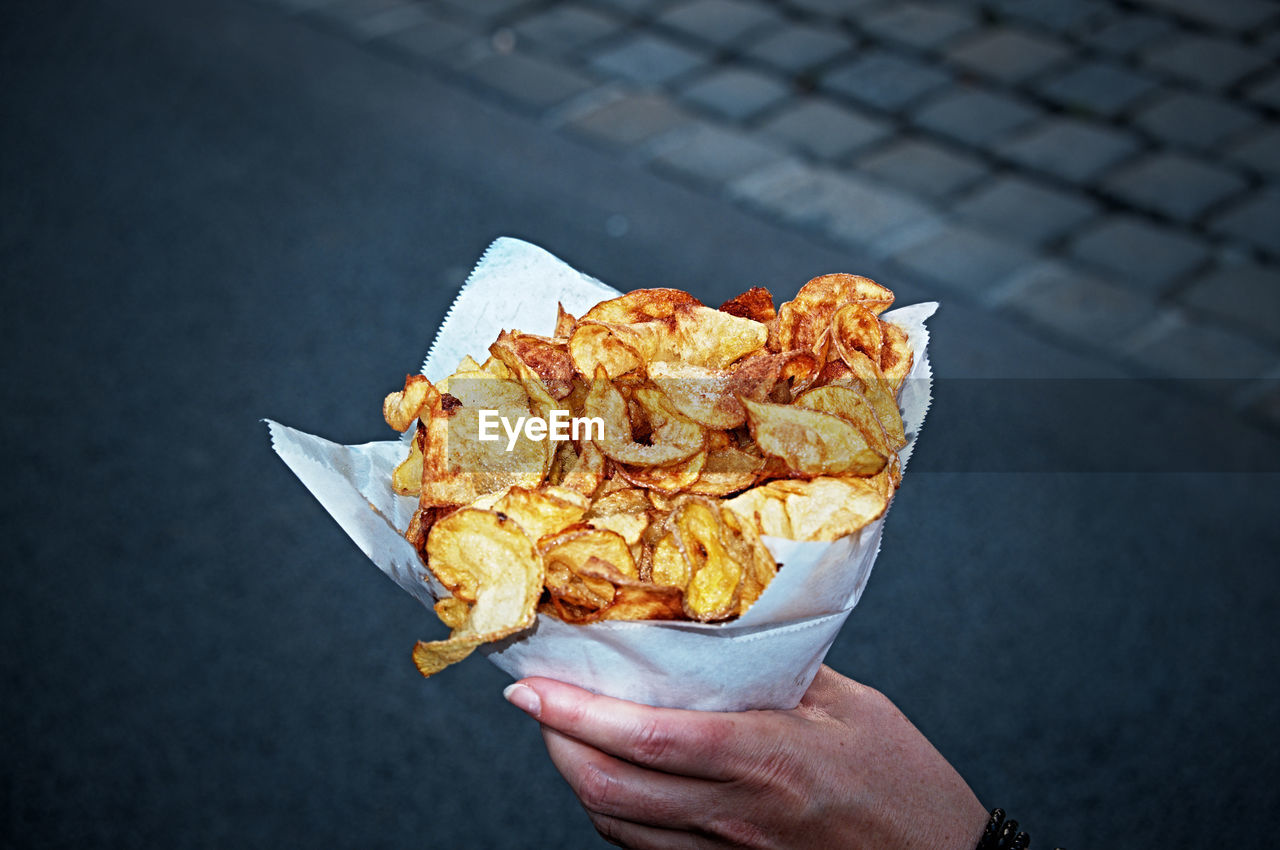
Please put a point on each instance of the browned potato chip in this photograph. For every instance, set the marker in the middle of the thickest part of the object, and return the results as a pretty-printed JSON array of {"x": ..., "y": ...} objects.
[
  {"x": 565, "y": 323},
  {"x": 811, "y": 443},
  {"x": 401, "y": 409},
  {"x": 672, "y": 437},
  {"x": 756, "y": 304},
  {"x": 640, "y": 305},
  {"x": 855, "y": 328},
  {"x": 895, "y": 355},
  {"x": 818, "y": 509}
]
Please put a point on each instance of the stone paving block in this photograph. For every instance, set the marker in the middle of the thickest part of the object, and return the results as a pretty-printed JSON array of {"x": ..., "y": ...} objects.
[
  {"x": 1266, "y": 91},
  {"x": 487, "y": 10},
  {"x": 798, "y": 47},
  {"x": 1212, "y": 62},
  {"x": 885, "y": 80},
  {"x": 824, "y": 129},
  {"x": 1078, "y": 304},
  {"x": 350, "y": 13},
  {"x": 1142, "y": 255},
  {"x": 428, "y": 41},
  {"x": 566, "y": 28},
  {"x": 959, "y": 257},
  {"x": 1259, "y": 151},
  {"x": 531, "y": 81},
  {"x": 1244, "y": 294},
  {"x": 1097, "y": 87},
  {"x": 1070, "y": 148},
  {"x": 1236, "y": 15},
  {"x": 1255, "y": 219},
  {"x": 1194, "y": 120},
  {"x": 1128, "y": 33},
  {"x": 390, "y": 21},
  {"x": 923, "y": 168},
  {"x": 648, "y": 58},
  {"x": 975, "y": 116},
  {"x": 1195, "y": 350},
  {"x": 719, "y": 22},
  {"x": 715, "y": 155},
  {"x": 1025, "y": 210},
  {"x": 834, "y": 8},
  {"x": 1173, "y": 184},
  {"x": 1066, "y": 17},
  {"x": 735, "y": 93},
  {"x": 918, "y": 25},
  {"x": 630, "y": 120},
  {"x": 1007, "y": 54}
]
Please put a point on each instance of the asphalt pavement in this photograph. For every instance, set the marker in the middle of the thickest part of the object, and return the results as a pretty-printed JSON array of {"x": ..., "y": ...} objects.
[{"x": 215, "y": 212}]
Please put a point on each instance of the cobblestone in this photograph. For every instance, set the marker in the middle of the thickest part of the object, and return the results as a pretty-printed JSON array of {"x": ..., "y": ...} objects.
[
  {"x": 1245, "y": 294},
  {"x": 1067, "y": 18},
  {"x": 1237, "y": 15},
  {"x": 1260, "y": 151},
  {"x": 975, "y": 116},
  {"x": 918, "y": 25},
  {"x": 796, "y": 48},
  {"x": 1174, "y": 185},
  {"x": 826, "y": 130},
  {"x": 427, "y": 41},
  {"x": 1254, "y": 220},
  {"x": 631, "y": 120},
  {"x": 1007, "y": 54},
  {"x": 885, "y": 80},
  {"x": 485, "y": 10},
  {"x": 1205, "y": 60},
  {"x": 528, "y": 80},
  {"x": 924, "y": 168},
  {"x": 1078, "y": 304},
  {"x": 1195, "y": 350},
  {"x": 1142, "y": 255},
  {"x": 1070, "y": 148},
  {"x": 648, "y": 58},
  {"x": 1194, "y": 120},
  {"x": 1098, "y": 88},
  {"x": 1266, "y": 91},
  {"x": 714, "y": 155},
  {"x": 735, "y": 93},
  {"x": 959, "y": 257},
  {"x": 1027, "y": 211},
  {"x": 566, "y": 28},
  {"x": 719, "y": 22},
  {"x": 1128, "y": 33}
]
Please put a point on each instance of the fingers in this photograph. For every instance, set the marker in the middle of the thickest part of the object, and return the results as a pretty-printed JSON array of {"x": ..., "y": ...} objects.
[
  {"x": 610, "y": 787},
  {"x": 709, "y": 745},
  {"x": 638, "y": 836}
]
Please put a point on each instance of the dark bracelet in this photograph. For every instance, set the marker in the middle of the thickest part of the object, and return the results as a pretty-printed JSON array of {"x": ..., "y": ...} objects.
[{"x": 1002, "y": 834}]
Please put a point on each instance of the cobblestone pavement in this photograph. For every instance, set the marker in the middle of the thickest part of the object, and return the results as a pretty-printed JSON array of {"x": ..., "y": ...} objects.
[{"x": 1105, "y": 171}]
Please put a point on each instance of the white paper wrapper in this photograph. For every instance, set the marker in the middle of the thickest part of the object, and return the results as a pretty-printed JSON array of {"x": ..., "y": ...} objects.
[{"x": 764, "y": 659}]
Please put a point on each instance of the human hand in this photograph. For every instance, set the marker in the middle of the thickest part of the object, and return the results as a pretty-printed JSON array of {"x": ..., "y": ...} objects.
[{"x": 844, "y": 769}]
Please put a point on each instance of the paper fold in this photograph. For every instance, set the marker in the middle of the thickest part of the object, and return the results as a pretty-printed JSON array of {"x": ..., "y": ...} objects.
[{"x": 764, "y": 659}]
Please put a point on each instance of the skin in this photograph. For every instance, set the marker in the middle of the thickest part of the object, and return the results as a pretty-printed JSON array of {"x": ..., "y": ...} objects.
[{"x": 844, "y": 769}]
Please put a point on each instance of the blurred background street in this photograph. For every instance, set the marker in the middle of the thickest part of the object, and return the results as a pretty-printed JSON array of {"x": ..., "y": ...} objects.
[{"x": 215, "y": 212}]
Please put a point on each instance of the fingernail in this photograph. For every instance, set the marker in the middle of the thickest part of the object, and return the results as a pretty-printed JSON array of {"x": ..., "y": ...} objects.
[{"x": 524, "y": 698}]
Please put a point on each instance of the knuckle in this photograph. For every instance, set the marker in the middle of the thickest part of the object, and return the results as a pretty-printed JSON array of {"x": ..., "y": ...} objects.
[
  {"x": 651, "y": 742},
  {"x": 608, "y": 828},
  {"x": 740, "y": 832},
  {"x": 596, "y": 788}
]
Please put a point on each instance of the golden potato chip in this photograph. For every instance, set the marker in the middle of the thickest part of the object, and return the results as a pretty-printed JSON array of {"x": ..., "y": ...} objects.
[
  {"x": 544, "y": 511},
  {"x": 811, "y": 443},
  {"x": 573, "y": 547},
  {"x": 672, "y": 478},
  {"x": 855, "y": 328},
  {"x": 727, "y": 470},
  {"x": 802, "y": 320},
  {"x": 640, "y": 305},
  {"x": 565, "y": 323},
  {"x": 823, "y": 509},
  {"x": 644, "y": 602},
  {"x": 895, "y": 355},
  {"x": 401, "y": 409},
  {"x": 851, "y": 406},
  {"x": 672, "y": 437},
  {"x": 695, "y": 335},
  {"x": 495, "y": 574},
  {"x": 406, "y": 479},
  {"x": 596, "y": 345},
  {"x": 542, "y": 364},
  {"x": 668, "y": 566},
  {"x": 877, "y": 392},
  {"x": 714, "y": 576},
  {"x": 748, "y": 549}
]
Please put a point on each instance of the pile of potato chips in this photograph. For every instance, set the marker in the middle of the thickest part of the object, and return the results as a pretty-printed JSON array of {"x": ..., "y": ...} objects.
[{"x": 719, "y": 426}]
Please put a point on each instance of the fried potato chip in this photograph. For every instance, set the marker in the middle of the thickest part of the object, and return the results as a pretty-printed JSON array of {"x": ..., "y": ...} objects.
[
  {"x": 726, "y": 471},
  {"x": 851, "y": 406},
  {"x": 712, "y": 590},
  {"x": 895, "y": 355},
  {"x": 543, "y": 365},
  {"x": 640, "y": 305},
  {"x": 406, "y": 479},
  {"x": 596, "y": 345},
  {"x": 748, "y": 549},
  {"x": 544, "y": 511},
  {"x": 881, "y": 397},
  {"x": 802, "y": 320},
  {"x": 855, "y": 328},
  {"x": 755, "y": 304},
  {"x": 672, "y": 437},
  {"x": 583, "y": 565},
  {"x": 495, "y": 574},
  {"x": 822, "y": 509},
  {"x": 565, "y": 323},
  {"x": 811, "y": 443},
  {"x": 644, "y": 602},
  {"x": 401, "y": 409},
  {"x": 695, "y": 335}
]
